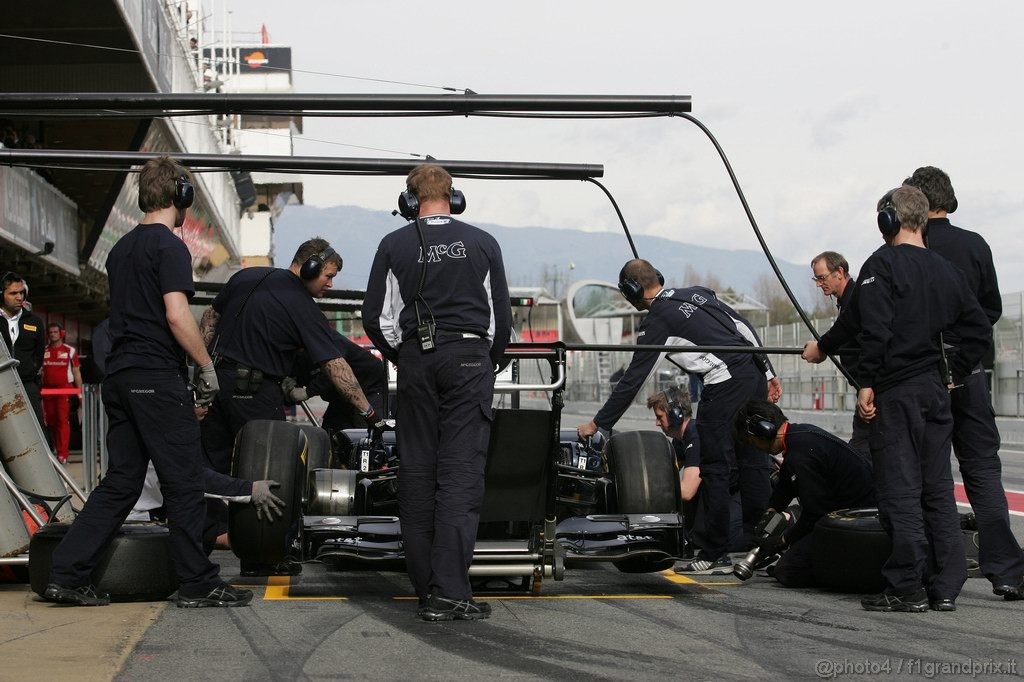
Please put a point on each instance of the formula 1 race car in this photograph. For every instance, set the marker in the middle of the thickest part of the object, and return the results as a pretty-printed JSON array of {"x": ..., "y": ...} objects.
[{"x": 548, "y": 496}]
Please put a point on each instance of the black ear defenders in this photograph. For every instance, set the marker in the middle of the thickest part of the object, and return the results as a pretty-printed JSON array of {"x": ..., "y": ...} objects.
[
  {"x": 632, "y": 290},
  {"x": 409, "y": 203},
  {"x": 676, "y": 415},
  {"x": 314, "y": 265},
  {"x": 760, "y": 426},
  {"x": 184, "y": 193},
  {"x": 888, "y": 221}
]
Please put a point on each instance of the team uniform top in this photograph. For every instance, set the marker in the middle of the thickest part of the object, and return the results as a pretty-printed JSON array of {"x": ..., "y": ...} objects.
[
  {"x": 968, "y": 251},
  {"x": 279, "y": 317},
  {"x": 931, "y": 295},
  {"x": 57, "y": 366},
  {"x": 27, "y": 349},
  {"x": 684, "y": 317},
  {"x": 842, "y": 337},
  {"x": 145, "y": 264},
  {"x": 688, "y": 447},
  {"x": 464, "y": 291},
  {"x": 824, "y": 472}
]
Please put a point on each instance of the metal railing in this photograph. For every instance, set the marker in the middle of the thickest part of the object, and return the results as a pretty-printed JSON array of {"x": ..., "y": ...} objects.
[{"x": 94, "y": 437}]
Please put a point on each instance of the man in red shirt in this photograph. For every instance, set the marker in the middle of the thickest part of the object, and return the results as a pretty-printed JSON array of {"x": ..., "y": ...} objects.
[{"x": 60, "y": 370}]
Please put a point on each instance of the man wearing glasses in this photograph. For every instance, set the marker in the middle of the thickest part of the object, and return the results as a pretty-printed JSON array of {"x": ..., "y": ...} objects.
[{"x": 832, "y": 275}]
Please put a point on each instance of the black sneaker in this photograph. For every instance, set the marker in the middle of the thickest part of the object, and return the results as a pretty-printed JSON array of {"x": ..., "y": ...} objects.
[
  {"x": 255, "y": 570},
  {"x": 886, "y": 601},
  {"x": 1009, "y": 592},
  {"x": 225, "y": 595},
  {"x": 942, "y": 604},
  {"x": 86, "y": 595},
  {"x": 439, "y": 608}
]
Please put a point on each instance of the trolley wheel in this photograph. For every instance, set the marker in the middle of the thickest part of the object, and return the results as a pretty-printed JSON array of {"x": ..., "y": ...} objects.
[
  {"x": 135, "y": 566},
  {"x": 268, "y": 449}
]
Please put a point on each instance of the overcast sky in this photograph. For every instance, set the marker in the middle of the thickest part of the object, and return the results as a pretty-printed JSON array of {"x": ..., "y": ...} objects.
[{"x": 820, "y": 106}]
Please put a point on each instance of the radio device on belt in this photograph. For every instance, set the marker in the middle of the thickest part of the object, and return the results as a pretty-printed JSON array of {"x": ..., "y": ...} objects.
[{"x": 425, "y": 331}]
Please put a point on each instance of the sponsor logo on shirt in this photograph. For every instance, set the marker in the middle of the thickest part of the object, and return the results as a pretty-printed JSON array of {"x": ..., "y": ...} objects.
[
  {"x": 29, "y": 327},
  {"x": 436, "y": 252},
  {"x": 869, "y": 280}
]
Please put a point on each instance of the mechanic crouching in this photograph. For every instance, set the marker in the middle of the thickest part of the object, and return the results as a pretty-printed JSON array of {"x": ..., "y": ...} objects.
[{"x": 820, "y": 470}]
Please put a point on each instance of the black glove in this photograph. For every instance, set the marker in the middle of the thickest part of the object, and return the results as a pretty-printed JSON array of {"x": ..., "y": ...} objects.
[
  {"x": 377, "y": 425},
  {"x": 267, "y": 503}
]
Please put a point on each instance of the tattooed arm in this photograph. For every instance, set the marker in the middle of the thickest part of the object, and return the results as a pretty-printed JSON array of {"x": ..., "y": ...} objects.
[
  {"x": 341, "y": 375},
  {"x": 208, "y": 325}
]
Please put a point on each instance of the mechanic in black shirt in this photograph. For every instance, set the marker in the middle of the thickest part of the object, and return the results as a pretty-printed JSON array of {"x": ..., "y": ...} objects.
[
  {"x": 822, "y": 471},
  {"x": 25, "y": 335},
  {"x": 975, "y": 435},
  {"x": 255, "y": 327},
  {"x": 673, "y": 414},
  {"x": 832, "y": 275},
  {"x": 148, "y": 403},
  {"x": 445, "y": 320},
  {"x": 687, "y": 317},
  {"x": 907, "y": 296}
]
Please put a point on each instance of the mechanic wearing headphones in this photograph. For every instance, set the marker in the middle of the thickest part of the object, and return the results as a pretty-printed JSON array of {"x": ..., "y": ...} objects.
[
  {"x": 673, "y": 414},
  {"x": 695, "y": 316},
  {"x": 60, "y": 370},
  {"x": 832, "y": 274},
  {"x": 25, "y": 335},
  {"x": 149, "y": 404},
  {"x": 907, "y": 296},
  {"x": 975, "y": 435},
  {"x": 257, "y": 323},
  {"x": 445, "y": 320},
  {"x": 824, "y": 472}
]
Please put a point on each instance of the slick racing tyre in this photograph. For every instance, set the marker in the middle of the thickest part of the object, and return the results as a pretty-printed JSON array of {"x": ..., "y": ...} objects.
[
  {"x": 645, "y": 483},
  {"x": 850, "y": 547},
  {"x": 136, "y": 566},
  {"x": 276, "y": 450},
  {"x": 318, "y": 452},
  {"x": 645, "y": 474}
]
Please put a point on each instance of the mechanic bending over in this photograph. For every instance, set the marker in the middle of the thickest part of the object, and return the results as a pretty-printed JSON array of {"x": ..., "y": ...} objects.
[
  {"x": 832, "y": 275},
  {"x": 149, "y": 404},
  {"x": 975, "y": 435},
  {"x": 907, "y": 298},
  {"x": 822, "y": 471},
  {"x": 257, "y": 323},
  {"x": 695, "y": 316},
  {"x": 673, "y": 414},
  {"x": 445, "y": 320}
]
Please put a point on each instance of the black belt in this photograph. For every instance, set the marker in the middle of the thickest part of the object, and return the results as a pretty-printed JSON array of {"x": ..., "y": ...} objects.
[
  {"x": 233, "y": 366},
  {"x": 445, "y": 336}
]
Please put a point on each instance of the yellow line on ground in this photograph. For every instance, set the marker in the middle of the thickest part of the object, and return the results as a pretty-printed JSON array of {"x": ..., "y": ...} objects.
[
  {"x": 279, "y": 589},
  {"x": 685, "y": 580}
]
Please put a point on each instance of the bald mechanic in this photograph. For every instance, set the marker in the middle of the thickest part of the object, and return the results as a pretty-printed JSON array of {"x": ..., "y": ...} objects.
[{"x": 688, "y": 317}]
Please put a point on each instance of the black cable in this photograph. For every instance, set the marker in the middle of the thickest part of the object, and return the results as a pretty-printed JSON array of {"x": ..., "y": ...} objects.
[
  {"x": 764, "y": 245},
  {"x": 622, "y": 220}
]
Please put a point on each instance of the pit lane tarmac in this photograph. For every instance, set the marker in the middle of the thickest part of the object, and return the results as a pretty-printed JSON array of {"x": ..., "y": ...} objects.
[{"x": 596, "y": 624}]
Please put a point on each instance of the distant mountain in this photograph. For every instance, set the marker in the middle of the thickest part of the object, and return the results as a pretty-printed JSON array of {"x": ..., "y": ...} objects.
[{"x": 531, "y": 253}]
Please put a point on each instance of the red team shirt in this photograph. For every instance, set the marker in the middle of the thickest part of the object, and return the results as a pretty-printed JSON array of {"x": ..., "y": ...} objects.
[{"x": 57, "y": 364}]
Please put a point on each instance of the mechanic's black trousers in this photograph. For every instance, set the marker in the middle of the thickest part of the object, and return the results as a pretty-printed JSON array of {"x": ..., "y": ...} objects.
[
  {"x": 910, "y": 443},
  {"x": 976, "y": 446},
  {"x": 444, "y": 423},
  {"x": 150, "y": 417},
  {"x": 718, "y": 460}
]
